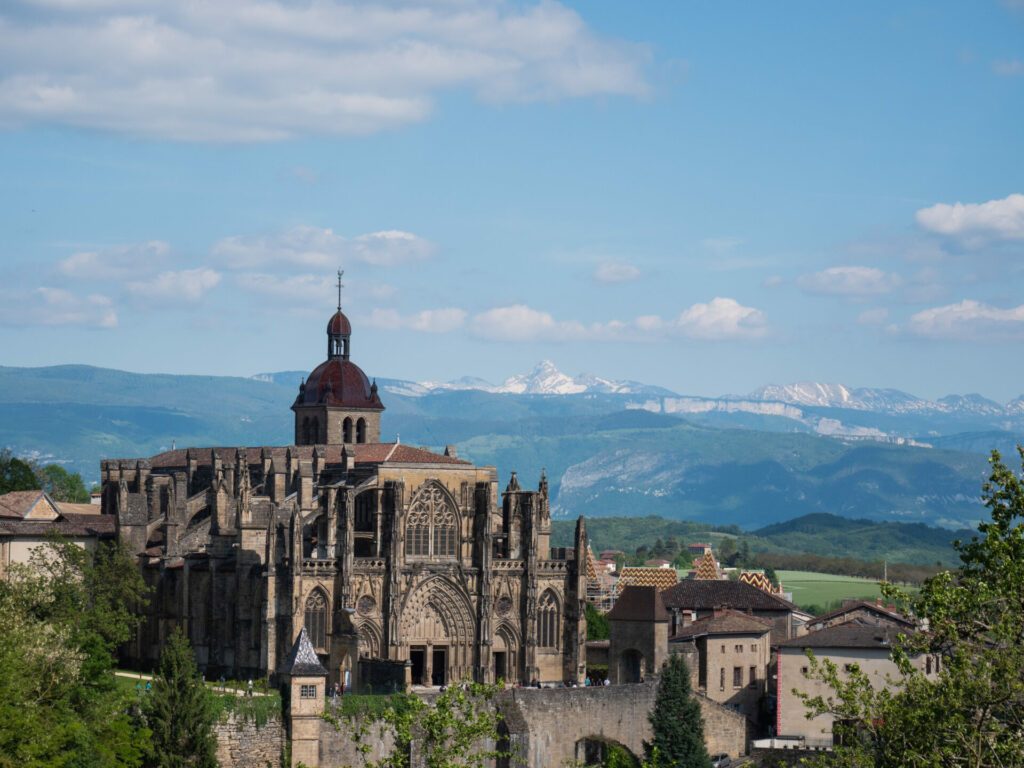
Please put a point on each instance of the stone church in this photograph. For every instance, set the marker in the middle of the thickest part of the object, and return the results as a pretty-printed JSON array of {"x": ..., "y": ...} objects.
[{"x": 381, "y": 550}]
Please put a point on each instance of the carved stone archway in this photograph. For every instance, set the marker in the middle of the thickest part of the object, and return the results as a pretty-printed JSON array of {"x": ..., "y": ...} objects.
[{"x": 437, "y": 630}]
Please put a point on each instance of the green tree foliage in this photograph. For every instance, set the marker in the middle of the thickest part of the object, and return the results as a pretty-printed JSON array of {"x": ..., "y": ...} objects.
[
  {"x": 972, "y": 712},
  {"x": 676, "y": 720},
  {"x": 15, "y": 474},
  {"x": 180, "y": 712},
  {"x": 459, "y": 730},
  {"x": 597, "y": 624},
  {"x": 63, "y": 485},
  {"x": 61, "y": 618}
]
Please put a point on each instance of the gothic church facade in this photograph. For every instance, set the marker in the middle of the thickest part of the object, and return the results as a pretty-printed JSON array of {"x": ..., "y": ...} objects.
[{"x": 381, "y": 550}]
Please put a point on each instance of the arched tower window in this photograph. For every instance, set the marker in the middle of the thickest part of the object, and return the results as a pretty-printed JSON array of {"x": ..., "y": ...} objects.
[
  {"x": 346, "y": 430},
  {"x": 361, "y": 431},
  {"x": 305, "y": 430},
  {"x": 547, "y": 620},
  {"x": 316, "y": 619},
  {"x": 432, "y": 525}
]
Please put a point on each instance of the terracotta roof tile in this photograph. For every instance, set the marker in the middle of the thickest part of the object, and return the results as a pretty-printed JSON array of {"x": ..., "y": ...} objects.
[
  {"x": 696, "y": 594},
  {"x": 727, "y": 622},
  {"x": 707, "y": 567},
  {"x": 364, "y": 453},
  {"x": 638, "y": 604},
  {"x": 18, "y": 503}
]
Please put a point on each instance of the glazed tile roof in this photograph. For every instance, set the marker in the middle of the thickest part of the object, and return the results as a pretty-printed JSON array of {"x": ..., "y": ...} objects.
[
  {"x": 302, "y": 659},
  {"x": 638, "y": 604},
  {"x": 706, "y": 595},
  {"x": 364, "y": 453},
  {"x": 848, "y": 635},
  {"x": 662, "y": 578},
  {"x": 706, "y": 567},
  {"x": 759, "y": 580},
  {"x": 726, "y": 622}
]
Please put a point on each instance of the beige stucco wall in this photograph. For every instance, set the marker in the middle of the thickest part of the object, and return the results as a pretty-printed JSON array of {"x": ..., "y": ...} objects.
[
  {"x": 790, "y": 717},
  {"x": 20, "y": 550},
  {"x": 721, "y": 654}
]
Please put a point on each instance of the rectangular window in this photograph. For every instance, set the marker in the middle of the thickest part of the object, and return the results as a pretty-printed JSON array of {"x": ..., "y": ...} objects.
[
  {"x": 723, "y": 649},
  {"x": 721, "y": 678},
  {"x": 803, "y": 670},
  {"x": 738, "y": 648},
  {"x": 753, "y": 648},
  {"x": 307, "y": 692},
  {"x": 737, "y": 677},
  {"x": 753, "y": 677}
]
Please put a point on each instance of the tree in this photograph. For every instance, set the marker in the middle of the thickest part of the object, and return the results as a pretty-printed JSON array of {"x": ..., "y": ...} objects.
[
  {"x": 972, "y": 712},
  {"x": 727, "y": 552},
  {"x": 63, "y": 485},
  {"x": 676, "y": 720},
  {"x": 597, "y": 624},
  {"x": 180, "y": 710},
  {"x": 15, "y": 474},
  {"x": 61, "y": 618}
]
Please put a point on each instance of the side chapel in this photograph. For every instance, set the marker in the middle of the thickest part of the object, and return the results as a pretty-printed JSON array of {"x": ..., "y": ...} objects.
[{"x": 380, "y": 550}]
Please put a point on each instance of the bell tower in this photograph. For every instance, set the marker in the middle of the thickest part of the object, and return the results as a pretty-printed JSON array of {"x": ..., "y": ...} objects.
[{"x": 337, "y": 404}]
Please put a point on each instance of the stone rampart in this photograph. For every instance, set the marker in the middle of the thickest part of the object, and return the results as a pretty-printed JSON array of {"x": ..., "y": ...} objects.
[{"x": 244, "y": 744}]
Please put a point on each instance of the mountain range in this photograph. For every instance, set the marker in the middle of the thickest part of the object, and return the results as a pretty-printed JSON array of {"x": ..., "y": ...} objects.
[{"x": 610, "y": 447}]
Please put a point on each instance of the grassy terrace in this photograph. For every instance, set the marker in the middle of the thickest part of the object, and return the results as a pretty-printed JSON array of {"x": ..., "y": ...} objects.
[{"x": 229, "y": 698}]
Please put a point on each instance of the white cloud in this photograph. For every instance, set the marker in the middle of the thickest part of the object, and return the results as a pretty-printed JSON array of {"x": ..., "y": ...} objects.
[
  {"x": 969, "y": 320},
  {"x": 315, "y": 247},
  {"x": 186, "y": 286},
  {"x": 976, "y": 223},
  {"x": 427, "y": 321},
  {"x": 848, "y": 281},
  {"x": 1008, "y": 67},
  {"x": 258, "y": 70},
  {"x": 718, "y": 319},
  {"x": 616, "y": 272},
  {"x": 116, "y": 263},
  {"x": 58, "y": 307},
  {"x": 721, "y": 319}
]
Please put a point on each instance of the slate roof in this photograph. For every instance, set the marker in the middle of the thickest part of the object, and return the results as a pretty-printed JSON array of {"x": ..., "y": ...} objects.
[
  {"x": 302, "y": 660},
  {"x": 706, "y": 595},
  {"x": 662, "y": 578},
  {"x": 638, "y": 604},
  {"x": 364, "y": 453},
  {"x": 67, "y": 525},
  {"x": 727, "y": 622},
  {"x": 848, "y": 635}
]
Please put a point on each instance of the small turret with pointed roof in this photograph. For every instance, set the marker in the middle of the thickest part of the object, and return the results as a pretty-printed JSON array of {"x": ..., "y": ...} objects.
[
  {"x": 513, "y": 483},
  {"x": 302, "y": 660}
]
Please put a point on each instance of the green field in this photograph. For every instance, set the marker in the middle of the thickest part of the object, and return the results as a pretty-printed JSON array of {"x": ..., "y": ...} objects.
[{"x": 825, "y": 590}]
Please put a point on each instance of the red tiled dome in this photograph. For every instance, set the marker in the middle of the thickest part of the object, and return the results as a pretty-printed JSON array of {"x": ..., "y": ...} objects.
[
  {"x": 339, "y": 325},
  {"x": 339, "y": 382}
]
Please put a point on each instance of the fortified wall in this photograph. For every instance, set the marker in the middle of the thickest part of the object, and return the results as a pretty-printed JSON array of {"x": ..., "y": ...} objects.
[{"x": 551, "y": 726}]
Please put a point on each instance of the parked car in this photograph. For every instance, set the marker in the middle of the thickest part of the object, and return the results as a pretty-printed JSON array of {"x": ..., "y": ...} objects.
[{"x": 721, "y": 760}]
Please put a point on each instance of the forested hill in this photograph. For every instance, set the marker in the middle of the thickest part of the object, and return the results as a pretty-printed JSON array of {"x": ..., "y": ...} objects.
[{"x": 817, "y": 534}]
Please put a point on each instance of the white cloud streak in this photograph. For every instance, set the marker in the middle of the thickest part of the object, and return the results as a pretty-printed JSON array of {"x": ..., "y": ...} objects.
[
  {"x": 264, "y": 70},
  {"x": 306, "y": 246},
  {"x": 969, "y": 321},
  {"x": 719, "y": 319},
  {"x": 46, "y": 306},
  {"x": 116, "y": 263},
  {"x": 187, "y": 286},
  {"x": 976, "y": 223},
  {"x": 616, "y": 272},
  {"x": 427, "y": 321},
  {"x": 848, "y": 281}
]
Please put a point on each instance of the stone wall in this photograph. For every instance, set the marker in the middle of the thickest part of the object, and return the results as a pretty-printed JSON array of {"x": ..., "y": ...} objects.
[
  {"x": 546, "y": 727},
  {"x": 243, "y": 744}
]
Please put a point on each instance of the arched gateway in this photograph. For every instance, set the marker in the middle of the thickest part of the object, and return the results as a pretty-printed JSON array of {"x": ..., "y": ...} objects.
[{"x": 438, "y": 632}]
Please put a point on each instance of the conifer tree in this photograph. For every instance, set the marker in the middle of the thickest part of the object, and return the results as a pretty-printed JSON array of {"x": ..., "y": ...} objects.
[
  {"x": 677, "y": 722},
  {"x": 180, "y": 712}
]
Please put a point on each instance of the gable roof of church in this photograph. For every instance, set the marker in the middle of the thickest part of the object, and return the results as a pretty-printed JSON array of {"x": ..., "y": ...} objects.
[
  {"x": 302, "y": 660},
  {"x": 364, "y": 453}
]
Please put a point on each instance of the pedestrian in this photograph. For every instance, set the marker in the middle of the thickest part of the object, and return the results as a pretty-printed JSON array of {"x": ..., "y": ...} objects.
[
  {"x": 248, "y": 688},
  {"x": 607, "y": 681}
]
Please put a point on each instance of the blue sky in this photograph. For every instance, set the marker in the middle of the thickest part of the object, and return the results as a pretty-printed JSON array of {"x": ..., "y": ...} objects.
[{"x": 707, "y": 196}]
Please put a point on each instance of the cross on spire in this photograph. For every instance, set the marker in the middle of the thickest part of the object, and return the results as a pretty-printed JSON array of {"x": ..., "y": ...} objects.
[{"x": 340, "y": 285}]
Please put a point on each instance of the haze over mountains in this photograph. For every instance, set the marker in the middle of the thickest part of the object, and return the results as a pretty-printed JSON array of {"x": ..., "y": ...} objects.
[{"x": 609, "y": 447}]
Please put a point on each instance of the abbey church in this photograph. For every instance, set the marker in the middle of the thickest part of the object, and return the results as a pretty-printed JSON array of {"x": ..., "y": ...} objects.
[{"x": 380, "y": 550}]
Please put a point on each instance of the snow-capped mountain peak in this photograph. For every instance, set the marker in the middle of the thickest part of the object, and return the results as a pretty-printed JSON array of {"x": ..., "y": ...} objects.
[{"x": 544, "y": 379}]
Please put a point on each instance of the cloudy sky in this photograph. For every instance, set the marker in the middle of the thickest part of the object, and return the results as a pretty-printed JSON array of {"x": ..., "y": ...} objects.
[{"x": 707, "y": 196}]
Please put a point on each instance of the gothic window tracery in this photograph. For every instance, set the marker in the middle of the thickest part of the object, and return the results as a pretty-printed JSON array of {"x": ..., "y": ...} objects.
[
  {"x": 316, "y": 618},
  {"x": 431, "y": 525},
  {"x": 547, "y": 620}
]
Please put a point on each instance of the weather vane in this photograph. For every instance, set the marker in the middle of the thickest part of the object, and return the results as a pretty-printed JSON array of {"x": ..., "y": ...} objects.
[{"x": 340, "y": 285}]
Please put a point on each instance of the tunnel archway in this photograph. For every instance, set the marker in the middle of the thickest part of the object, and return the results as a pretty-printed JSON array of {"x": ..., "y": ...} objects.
[{"x": 601, "y": 752}]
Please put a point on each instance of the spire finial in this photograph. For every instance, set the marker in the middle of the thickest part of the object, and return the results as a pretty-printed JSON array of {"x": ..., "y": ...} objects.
[{"x": 340, "y": 286}]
